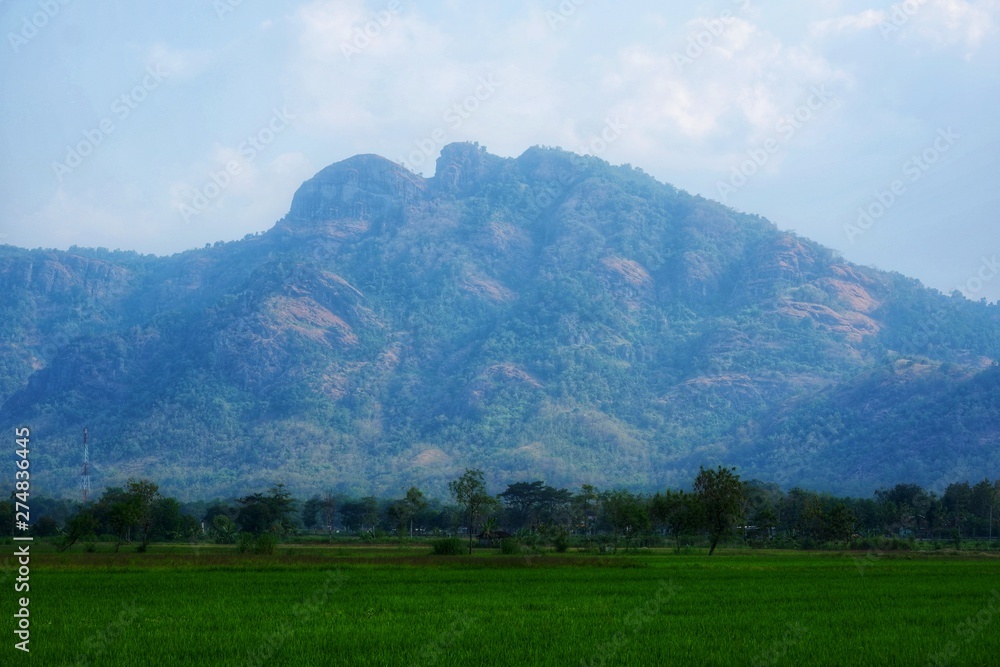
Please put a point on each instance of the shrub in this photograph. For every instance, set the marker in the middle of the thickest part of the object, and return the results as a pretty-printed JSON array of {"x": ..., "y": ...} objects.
[
  {"x": 244, "y": 542},
  {"x": 264, "y": 544},
  {"x": 509, "y": 546},
  {"x": 448, "y": 546},
  {"x": 561, "y": 542},
  {"x": 784, "y": 542}
]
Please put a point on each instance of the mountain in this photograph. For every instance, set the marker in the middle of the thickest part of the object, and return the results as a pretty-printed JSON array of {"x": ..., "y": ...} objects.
[{"x": 550, "y": 316}]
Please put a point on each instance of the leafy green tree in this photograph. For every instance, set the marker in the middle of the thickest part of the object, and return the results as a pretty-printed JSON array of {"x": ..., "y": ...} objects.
[
  {"x": 981, "y": 502},
  {"x": 328, "y": 512},
  {"x": 81, "y": 525},
  {"x": 372, "y": 512},
  {"x": 125, "y": 509},
  {"x": 534, "y": 503},
  {"x": 720, "y": 495},
  {"x": 224, "y": 528},
  {"x": 586, "y": 505},
  {"x": 352, "y": 513},
  {"x": 310, "y": 512},
  {"x": 957, "y": 502},
  {"x": 273, "y": 512},
  {"x": 169, "y": 523},
  {"x": 677, "y": 510},
  {"x": 402, "y": 512},
  {"x": 469, "y": 491},
  {"x": 840, "y": 523},
  {"x": 141, "y": 497},
  {"x": 46, "y": 526},
  {"x": 626, "y": 513},
  {"x": 813, "y": 519}
]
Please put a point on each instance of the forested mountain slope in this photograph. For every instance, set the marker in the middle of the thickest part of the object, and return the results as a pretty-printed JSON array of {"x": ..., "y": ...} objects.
[{"x": 549, "y": 316}]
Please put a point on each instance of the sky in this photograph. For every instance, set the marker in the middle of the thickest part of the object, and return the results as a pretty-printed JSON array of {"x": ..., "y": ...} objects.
[{"x": 867, "y": 126}]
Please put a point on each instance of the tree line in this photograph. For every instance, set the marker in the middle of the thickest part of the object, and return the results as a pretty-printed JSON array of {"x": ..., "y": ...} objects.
[{"x": 719, "y": 507}]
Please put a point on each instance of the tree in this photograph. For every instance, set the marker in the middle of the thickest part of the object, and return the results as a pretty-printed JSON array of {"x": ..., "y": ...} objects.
[
  {"x": 329, "y": 512},
  {"x": 128, "y": 508},
  {"x": 46, "y": 526},
  {"x": 533, "y": 503},
  {"x": 981, "y": 502},
  {"x": 469, "y": 492},
  {"x": 83, "y": 524},
  {"x": 957, "y": 499},
  {"x": 372, "y": 515},
  {"x": 720, "y": 494},
  {"x": 267, "y": 513},
  {"x": 678, "y": 511},
  {"x": 626, "y": 513},
  {"x": 310, "y": 510},
  {"x": 168, "y": 521},
  {"x": 224, "y": 529},
  {"x": 840, "y": 522},
  {"x": 586, "y": 505},
  {"x": 142, "y": 496},
  {"x": 352, "y": 513},
  {"x": 403, "y": 511}
]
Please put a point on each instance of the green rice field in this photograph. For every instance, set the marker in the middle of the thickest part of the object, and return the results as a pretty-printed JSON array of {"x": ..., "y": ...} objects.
[{"x": 201, "y": 605}]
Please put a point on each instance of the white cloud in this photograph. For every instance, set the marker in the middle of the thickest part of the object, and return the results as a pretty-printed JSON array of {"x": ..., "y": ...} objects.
[
  {"x": 944, "y": 23},
  {"x": 729, "y": 95},
  {"x": 870, "y": 18},
  {"x": 179, "y": 63}
]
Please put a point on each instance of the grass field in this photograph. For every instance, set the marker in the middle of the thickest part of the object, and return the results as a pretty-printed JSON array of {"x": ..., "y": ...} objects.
[{"x": 400, "y": 606}]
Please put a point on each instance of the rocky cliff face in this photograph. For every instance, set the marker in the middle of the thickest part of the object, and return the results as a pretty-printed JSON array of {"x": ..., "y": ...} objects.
[
  {"x": 548, "y": 316},
  {"x": 345, "y": 198}
]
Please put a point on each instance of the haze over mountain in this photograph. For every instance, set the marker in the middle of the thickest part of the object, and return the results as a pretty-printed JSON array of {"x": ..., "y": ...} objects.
[{"x": 549, "y": 316}]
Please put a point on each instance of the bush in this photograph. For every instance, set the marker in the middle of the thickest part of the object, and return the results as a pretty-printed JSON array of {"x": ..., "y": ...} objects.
[
  {"x": 784, "y": 542},
  {"x": 509, "y": 546},
  {"x": 264, "y": 544},
  {"x": 561, "y": 542},
  {"x": 244, "y": 542},
  {"x": 448, "y": 546}
]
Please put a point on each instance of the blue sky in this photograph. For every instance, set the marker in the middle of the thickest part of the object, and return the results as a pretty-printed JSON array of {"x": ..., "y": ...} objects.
[{"x": 867, "y": 126}]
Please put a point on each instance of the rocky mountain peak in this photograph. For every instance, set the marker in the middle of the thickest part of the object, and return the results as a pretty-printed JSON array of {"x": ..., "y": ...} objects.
[
  {"x": 462, "y": 166},
  {"x": 360, "y": 188}
]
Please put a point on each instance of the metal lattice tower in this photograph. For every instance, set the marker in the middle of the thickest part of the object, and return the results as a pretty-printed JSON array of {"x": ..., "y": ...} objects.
[{"x": 85, "y": 474}]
